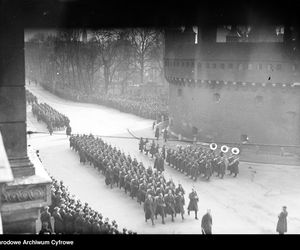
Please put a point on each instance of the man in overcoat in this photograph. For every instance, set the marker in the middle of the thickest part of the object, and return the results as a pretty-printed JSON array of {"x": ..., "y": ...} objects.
[
  {"x": 193, "y": 204},
  {"x": 282, "y": 221}
]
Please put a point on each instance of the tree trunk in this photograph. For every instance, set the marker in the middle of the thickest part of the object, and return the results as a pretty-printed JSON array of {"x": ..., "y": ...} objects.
[
  {"x": 142, "y": 72},
  {"x": 106, "y": 78}
]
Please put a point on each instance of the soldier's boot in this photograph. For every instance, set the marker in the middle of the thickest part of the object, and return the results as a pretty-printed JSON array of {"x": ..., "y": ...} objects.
[
  {"x": 163, "y": 221},
  {"x": 235, "y": 175},
  {"x": 172, "y": 218},
  {"x": 188, "y": 212},
  {"x": 182, "y": 216},
  {"x": 152, "y": 222}
]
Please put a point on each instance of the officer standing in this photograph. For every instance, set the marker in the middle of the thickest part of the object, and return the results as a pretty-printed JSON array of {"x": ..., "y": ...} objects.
[
  {"x": 206, "y": 223},
  {"x": 282, "y": 221}
]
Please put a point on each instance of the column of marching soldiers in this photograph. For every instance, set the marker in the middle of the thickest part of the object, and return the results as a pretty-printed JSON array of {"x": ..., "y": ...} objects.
[
  {"x": 147, "y": 185},
  {"x": 159, "y": 197},
  {"x": 70, "y": 215},
  {"x": 192, "y": 161},
  {"x": 43, "y": 112}
]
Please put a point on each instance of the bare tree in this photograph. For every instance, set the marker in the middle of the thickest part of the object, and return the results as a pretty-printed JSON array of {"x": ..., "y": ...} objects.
[{"x": 143, "y": 41}]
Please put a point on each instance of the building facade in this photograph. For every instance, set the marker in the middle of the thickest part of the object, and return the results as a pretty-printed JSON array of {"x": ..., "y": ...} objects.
[{"x": 233, "y": 90}]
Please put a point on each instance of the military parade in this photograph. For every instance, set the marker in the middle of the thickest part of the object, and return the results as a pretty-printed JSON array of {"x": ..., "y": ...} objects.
[
  {"x": 194, "y": 161},
  {"x": 45, "y": 113},
  {"x": 147, "y": 185},
  {"x": 166, "y": 134}
]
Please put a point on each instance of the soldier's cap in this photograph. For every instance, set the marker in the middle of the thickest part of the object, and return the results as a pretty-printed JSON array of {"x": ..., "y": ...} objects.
[{"x": 284, "y": 207}]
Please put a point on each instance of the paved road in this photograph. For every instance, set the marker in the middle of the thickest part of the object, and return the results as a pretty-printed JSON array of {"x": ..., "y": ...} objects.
[{"x": 247, "y": 204}]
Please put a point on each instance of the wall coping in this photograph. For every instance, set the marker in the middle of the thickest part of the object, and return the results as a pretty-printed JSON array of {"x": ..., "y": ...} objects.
[{"x": 41, "y": 176}]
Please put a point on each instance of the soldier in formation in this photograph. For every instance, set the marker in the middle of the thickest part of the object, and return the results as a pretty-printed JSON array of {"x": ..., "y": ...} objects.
[
  {"x": 50, "y": 116},
  {"x": 147, "y": 185},
  {"x": 30, "y": 98},
  {"x": 197, "y": 162}
]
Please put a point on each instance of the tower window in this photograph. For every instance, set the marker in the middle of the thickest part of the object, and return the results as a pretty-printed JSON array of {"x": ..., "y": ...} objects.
[
  {"x": 192, "y": 64},
  {"x": 222, "y": 66},
  {"x": 199, "y": 65},
  {"x": 182, "y": 64},
  {"x": 278, "y": 67},
  {"x": 230, "y": 66},
  {"x": 249, "y": 66},
  {"x": 260, "y": 66},
  {"x": 187, "y": 63},
  {"x": 294, "y": 67},
  {"x": 214, "y": 66},
  {"x": 240, "y": 66},
  {"x": 207, "y": 65}
]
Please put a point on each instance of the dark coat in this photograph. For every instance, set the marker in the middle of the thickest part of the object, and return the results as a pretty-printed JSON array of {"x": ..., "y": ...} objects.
[
  {"x": 170, "y": 204},
  {"x": 157, "y": 132},
  {"x": 161, "y": 205},
  {"x": 68, "y": 131},
  {"x": 149, "y": 208},
  {"x": 206, "y": 223},
  {"x": 193, "y": 204},
  {"x": 180, "y": 202},
  {"x": 282, "y": 223},
  {"x": 46, "y": 217},
  {"x": 58, "y": 223}
]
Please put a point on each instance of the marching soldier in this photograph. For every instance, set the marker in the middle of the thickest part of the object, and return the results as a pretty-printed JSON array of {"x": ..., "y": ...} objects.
[
  {"x": 68, "y": 131},
  {"x": 157, "y": 132},
  {"x": 180, "y": 202},
  {"x": 141, "y": 145},
  {"x": 149, "y": 209},
  {"x": 165, "y": 135},
  {"x": 161, "y": 206},
  {"x": 235, "y": 165},
  {"x": 152, "y": 149},
  {"x": 170, "y": 204},
  {"x": 193, "y": 204}
]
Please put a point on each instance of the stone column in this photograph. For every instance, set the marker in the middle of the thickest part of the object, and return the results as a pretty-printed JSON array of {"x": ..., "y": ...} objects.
[
  {"x": 22, "y": 198},
  {"x": 12, "y": 99}
]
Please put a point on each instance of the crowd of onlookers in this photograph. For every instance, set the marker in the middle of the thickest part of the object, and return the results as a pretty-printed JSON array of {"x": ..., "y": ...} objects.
[
  {"x": 150, "y": 106},
  {"x": 71, "y": 216}
]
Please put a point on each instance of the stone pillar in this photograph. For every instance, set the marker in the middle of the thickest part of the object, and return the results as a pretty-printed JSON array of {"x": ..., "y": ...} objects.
[
  {"x": 12, "y": 99},
  {"x": 22, "y": 198}
]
